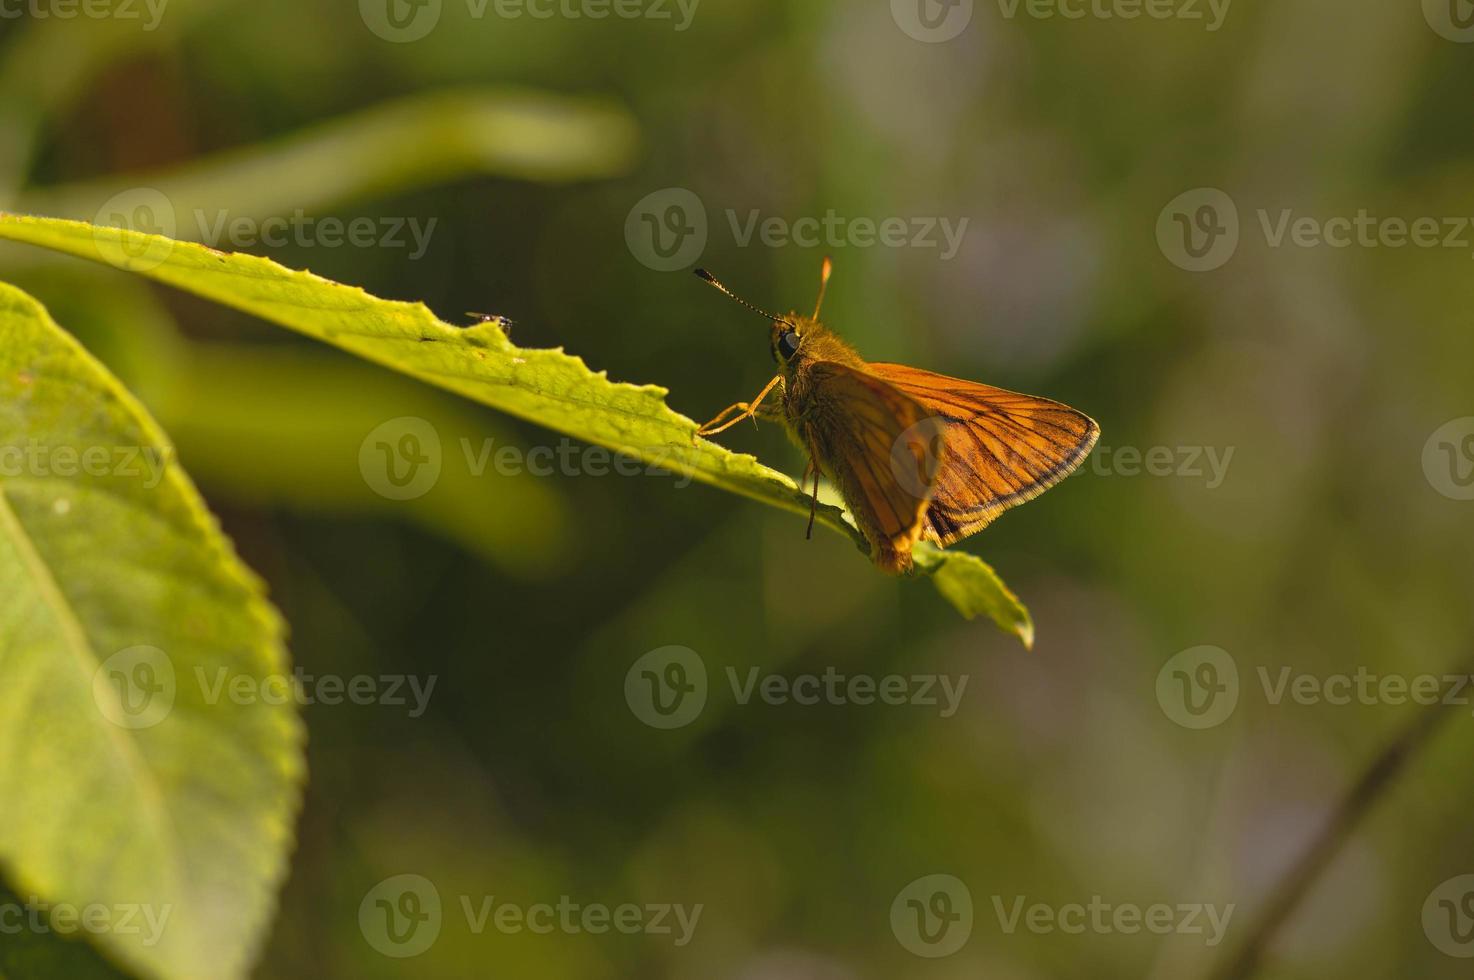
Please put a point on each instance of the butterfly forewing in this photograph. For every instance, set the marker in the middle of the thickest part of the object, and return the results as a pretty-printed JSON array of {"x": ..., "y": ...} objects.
[
  {"x": 1002, "y": 447},
  {"x": 884, "y": 451}
]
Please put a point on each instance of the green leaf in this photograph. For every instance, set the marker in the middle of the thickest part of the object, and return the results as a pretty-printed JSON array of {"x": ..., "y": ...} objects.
[
  {"x": 970, "y": 584},
  {"x": 549, "y": 387},
  {"x": 130, "y": 783},
  {"x": 411, "y": 142}
]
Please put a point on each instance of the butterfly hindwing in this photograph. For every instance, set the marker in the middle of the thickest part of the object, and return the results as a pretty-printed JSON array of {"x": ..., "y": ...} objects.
[{"x": 1002, "y": 447}]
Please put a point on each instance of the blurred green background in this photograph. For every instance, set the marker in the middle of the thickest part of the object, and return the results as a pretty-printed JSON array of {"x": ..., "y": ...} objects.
[{"x": 1337, "y": 538}]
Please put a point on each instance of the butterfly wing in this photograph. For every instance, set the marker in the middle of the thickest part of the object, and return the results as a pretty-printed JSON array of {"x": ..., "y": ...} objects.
[
  {"x": 1002, "y": 448},
  {"x": 880, "y": 446}
]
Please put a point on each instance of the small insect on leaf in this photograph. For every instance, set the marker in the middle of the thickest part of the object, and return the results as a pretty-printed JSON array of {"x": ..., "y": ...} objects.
[{"x": 500, "y": 321}]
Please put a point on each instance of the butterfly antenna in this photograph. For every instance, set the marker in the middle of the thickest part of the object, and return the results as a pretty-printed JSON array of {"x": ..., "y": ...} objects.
[
  {"x": 733, "y": 296},
  {"x": 823, "y": 284}
]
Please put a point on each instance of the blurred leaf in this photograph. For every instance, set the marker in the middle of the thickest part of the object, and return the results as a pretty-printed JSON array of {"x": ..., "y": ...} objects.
[
  {"x": 127, "y": 781},
  {"x": 548, "y": 387},
  {"x": 413, "y": 142},
  {"x": 49, "y": 62},
  {"x": 282, "y": 425}
]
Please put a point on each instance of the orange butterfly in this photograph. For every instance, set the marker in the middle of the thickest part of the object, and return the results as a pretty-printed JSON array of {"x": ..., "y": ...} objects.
[{"x": 914, "y": 455}]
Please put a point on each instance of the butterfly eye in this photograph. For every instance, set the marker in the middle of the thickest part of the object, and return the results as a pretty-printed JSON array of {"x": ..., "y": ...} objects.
[{"x": 788, "y": 344}]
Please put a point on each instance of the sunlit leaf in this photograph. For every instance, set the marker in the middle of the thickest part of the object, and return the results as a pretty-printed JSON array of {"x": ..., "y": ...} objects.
[{"x": 131, "y": 782}]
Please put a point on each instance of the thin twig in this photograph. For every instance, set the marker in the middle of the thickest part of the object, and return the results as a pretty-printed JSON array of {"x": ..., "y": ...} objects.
[{"x": 1291, "y": 890}]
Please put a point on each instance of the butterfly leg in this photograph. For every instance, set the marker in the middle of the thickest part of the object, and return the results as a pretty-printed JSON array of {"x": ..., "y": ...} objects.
[{"x": 745, "y": 409}]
